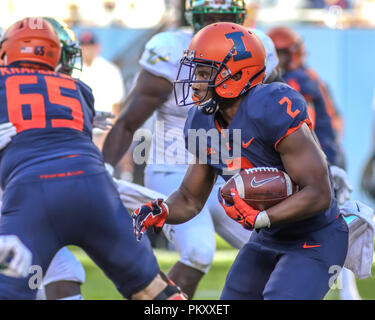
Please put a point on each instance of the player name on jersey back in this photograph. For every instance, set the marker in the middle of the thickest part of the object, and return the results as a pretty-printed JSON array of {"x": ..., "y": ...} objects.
[{"x": 52, "y": 113}]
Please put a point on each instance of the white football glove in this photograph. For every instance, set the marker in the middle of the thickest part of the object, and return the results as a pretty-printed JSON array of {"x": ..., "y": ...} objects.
[
  {"x": 101, "y": 120},
  {"x": 109, "y": 168},
  {"x": 7, "y": 131},
  {"x": 341, "y": 184},
  {"x": 15, "y": 258},
  {"x": 134, "y": 195}
]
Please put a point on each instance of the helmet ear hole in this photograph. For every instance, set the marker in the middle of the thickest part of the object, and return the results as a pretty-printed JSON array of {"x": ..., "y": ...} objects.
[{"x": 237, "y": 76}]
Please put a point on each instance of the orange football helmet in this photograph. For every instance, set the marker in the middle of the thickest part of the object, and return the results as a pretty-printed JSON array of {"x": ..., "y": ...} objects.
[
  {"x": 229, "y": 49},
  {"x": 31, "y": 40},
  {"x": 286, "y": 39}
]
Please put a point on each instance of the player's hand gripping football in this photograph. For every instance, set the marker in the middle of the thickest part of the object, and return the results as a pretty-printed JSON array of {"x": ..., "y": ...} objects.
[
  {"x": 151, "y": 214},
  {"x": 241, "y": 212}
]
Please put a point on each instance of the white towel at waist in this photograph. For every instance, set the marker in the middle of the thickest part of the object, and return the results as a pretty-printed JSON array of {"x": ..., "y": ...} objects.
[{"x": 359, "y": 218}]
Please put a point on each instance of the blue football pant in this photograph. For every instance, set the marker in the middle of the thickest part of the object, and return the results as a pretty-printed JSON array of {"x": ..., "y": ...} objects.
[
  {"x": 83, "y": 210},
  {"x": 288, "y": 270}
]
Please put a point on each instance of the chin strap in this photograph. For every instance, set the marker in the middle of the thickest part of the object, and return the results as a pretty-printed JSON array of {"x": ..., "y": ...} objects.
[{"x": 209, "y": 107}]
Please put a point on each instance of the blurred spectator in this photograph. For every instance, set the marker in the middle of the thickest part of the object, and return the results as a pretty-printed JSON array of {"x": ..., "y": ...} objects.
[
  {"x": 74, "y": 18},
  {"x": 104, "y": 77},
  {"x": 107, "y": 84},
  {"x": 109, "y": 14},
  {"x": 320, "y": 4}
]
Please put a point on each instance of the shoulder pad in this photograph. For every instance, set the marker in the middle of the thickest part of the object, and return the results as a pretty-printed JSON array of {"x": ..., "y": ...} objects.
[
  {"x": 281, "y": 109},
  {"x": 303, "y": 83},
  {"x": 168, "y": 47}
]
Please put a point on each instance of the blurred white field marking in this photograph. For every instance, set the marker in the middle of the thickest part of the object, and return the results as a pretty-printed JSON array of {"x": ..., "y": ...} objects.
[{"x": 220, "y": 255}]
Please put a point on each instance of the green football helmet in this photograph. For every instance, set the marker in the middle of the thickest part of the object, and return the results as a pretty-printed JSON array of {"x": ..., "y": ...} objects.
[
  {"x": 200, "y": 13},
  {"x": 71, "y": 53}
]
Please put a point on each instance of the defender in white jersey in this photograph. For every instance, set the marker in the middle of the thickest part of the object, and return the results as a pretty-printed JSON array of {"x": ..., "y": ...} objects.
[{"x": 168, "y": 159}]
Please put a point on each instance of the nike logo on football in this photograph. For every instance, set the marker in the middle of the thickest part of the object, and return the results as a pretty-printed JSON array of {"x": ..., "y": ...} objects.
[
  {"x": 256, "y": 184},
  {"x": 245, "y": 145},
  {"x": 306, "y": 246}
]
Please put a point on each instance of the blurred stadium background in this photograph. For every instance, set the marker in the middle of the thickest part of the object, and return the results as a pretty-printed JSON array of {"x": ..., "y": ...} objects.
[{"x": 339, "y": 38}]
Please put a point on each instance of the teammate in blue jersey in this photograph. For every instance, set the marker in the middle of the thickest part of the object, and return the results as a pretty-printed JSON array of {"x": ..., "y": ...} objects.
[
  {"x": 326, "y": 121},
  {"x": 301, "y": 238},
  {"x": 56, "y": 188}
]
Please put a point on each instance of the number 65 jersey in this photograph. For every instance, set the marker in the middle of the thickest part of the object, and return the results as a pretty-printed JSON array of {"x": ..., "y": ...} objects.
[{"x": 53, "y": 115}]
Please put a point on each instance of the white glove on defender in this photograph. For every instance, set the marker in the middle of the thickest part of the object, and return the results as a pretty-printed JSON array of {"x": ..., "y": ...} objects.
[
  {"x": 341, "y": 184},
  {"x": 15, "y": 258},
  {"x": 101, "y": 120},
  {"x": 134, "y": 195},
  {"x": 7, "y": 131}
]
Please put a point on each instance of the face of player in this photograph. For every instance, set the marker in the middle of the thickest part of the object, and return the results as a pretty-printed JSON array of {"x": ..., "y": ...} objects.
[
  {"x": 284, "y": 59},
  {"x": 201, "y": 89},
  {"x": 218, "y": 17},
  {"x": 89, "y": 52}
]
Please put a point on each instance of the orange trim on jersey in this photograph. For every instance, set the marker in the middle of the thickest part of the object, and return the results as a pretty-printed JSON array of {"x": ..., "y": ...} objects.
[
  {"x": 294, "y": 129},
  {"x": 238, "y": 163},
  {"x": 336, "y": 120},
  {"x": 220, "y": 129},
  {"x": 70, "y": 156},
  {"x": 312, "y": 114},
  {"x": 294, "y": 84},
  {"x": 211, "y": 151}
]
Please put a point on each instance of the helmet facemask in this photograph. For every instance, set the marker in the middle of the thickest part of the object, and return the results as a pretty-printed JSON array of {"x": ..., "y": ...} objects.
[
  {"x": 219, "y": 74},
  {"x": 235, "y": 58},
  {"x": 71, "y": 53},
  {"x": 187, "y": 76},
  {"x": 71, "y": 58}
]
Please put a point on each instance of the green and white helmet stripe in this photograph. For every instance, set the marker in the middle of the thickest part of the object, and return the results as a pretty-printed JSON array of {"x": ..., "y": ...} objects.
[{"x": 197, "y": 9}]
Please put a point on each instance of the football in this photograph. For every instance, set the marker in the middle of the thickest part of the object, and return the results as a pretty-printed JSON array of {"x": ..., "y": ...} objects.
[{"x": 260, "y": 187}]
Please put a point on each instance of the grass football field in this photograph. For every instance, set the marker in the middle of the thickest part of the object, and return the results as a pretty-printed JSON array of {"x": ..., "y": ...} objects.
[{"x": 98, "y": 287}]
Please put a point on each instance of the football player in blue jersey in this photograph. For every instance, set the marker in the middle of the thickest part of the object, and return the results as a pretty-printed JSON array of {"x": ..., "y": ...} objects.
[
  {"x": 168, "y": 160},
  {"x": 327, "y": 122},
  {"x": 57, "y": 190},
  {"x": 65, "y": 274},
  {"x": 300, "y": 239}
]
